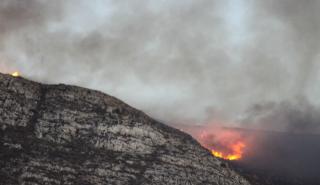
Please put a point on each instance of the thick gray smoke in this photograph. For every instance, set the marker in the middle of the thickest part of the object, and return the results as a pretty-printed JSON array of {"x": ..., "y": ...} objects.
[
  {"x": 296, "y": 117},
  {"x": 192, "y": 61}
]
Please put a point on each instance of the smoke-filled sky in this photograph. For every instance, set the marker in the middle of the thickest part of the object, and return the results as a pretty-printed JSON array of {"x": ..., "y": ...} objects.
[{"x": 185, "y": 61}]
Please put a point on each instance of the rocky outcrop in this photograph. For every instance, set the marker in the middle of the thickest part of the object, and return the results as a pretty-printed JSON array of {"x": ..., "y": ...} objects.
[{"x": 59, "y": 134}]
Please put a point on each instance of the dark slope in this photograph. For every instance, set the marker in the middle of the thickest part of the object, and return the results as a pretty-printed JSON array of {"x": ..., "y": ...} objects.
[
  {"x": 280, "y": 158},
  {"x": 270, "y": 157},
  {"x": 58, "y": 134}
]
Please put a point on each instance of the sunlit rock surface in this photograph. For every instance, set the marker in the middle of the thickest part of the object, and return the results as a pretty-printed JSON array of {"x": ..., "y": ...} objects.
[{"x": 58, "y": 134}]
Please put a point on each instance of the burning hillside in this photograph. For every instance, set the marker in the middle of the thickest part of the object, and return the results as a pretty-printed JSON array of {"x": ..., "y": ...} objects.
[
  {"x": 235, "y": 151},
  {"x": 225, "y": 144}
]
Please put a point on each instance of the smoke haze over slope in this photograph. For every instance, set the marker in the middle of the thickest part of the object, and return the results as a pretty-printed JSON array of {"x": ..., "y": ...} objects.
[{"x": 193, "y": 61}]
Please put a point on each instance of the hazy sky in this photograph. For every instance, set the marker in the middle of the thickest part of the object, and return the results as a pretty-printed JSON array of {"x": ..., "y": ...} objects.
[{"x": 183, "y": 61}]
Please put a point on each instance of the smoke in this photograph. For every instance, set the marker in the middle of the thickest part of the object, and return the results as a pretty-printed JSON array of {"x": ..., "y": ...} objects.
[
  {"x": 191, "y": 61},
  {"x": 296, "y": 117}
]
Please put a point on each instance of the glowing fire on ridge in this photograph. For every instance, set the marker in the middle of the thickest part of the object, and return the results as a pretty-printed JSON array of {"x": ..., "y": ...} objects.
[{"x": 15, "y": 74}]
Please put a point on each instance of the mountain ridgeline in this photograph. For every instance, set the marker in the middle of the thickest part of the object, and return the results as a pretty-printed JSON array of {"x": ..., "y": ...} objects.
[{"x": 59, "y": 134}]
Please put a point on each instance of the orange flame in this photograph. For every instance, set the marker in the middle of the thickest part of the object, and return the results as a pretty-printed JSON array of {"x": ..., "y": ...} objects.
[
  {"x": 236, "y": 154},
  {"x": 223, "y": 143}
]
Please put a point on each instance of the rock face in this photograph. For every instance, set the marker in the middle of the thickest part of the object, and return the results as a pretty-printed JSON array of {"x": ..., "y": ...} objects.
[{"x": 58, "y": 134}]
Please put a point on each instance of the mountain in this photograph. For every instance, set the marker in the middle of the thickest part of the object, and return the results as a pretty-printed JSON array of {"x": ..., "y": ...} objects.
[{"x": 59, "y": 134}]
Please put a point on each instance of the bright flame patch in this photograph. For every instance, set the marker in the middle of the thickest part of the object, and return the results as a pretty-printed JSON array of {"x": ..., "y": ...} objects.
[
  {"x": 223, "y": 143},
  {"x": 15, "y": 74},
  {"x": 236, "y": 152}
]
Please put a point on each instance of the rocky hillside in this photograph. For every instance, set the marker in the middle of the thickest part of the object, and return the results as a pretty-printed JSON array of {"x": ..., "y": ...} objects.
[{"x": 59, "y": 134}]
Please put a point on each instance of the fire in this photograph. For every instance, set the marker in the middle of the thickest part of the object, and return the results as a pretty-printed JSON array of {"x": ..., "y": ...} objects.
[
  {"x": 236, "y": 152},
  {"x": 223, "y": 143},
  {"x": 15, "y": 74}
]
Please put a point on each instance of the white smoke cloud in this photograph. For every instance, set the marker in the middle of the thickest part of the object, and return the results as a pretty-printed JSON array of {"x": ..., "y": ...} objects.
[{"x": 179, "y": 61}]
